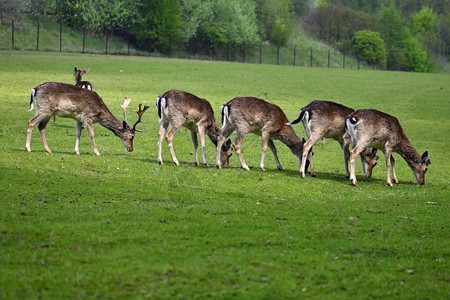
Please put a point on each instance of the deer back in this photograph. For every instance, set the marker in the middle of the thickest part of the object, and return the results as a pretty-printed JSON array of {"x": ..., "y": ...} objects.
[{"x": 184, "y": 108}]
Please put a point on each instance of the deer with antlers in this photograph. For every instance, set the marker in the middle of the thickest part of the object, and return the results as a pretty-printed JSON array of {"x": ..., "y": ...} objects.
[
  {"x": 373, "y": 128},
  {"x": 326, "y": 119},
  {"x": 182, "y": 109},
  {"x": 253, "y": 115},
  {"x": 82, "y": 105}
]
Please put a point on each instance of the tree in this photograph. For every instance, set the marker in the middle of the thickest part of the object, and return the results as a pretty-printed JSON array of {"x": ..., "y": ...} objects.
[
  {"x": 424, "y": 25},
  {"x": 368, "y": 46}
]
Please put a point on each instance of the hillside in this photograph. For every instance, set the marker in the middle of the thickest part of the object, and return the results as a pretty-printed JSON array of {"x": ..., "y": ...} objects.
[{"x": 301, "y": 45}]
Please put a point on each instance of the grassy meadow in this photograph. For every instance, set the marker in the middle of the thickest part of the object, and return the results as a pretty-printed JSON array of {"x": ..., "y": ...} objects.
[{"x": 122, "y": 226}]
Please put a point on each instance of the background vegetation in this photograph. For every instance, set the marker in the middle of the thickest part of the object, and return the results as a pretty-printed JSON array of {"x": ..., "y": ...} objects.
[
  {"x": 415, "y": 34},
  {"x": 120, "y": 225}
]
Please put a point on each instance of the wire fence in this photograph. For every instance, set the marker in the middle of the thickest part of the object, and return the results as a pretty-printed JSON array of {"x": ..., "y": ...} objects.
[{"x": 53, "y": 37}]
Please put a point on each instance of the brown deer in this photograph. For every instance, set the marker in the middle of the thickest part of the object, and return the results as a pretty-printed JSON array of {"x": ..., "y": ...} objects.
[
  {"x": 82, "y": 105},
  {"x": 78, "y": 79},
  {"x": 373, "y": 128},
  {"x": 181, "y": 109},
  {"x": 326, "y": 119},
  {"x": 252, "y": 115}
]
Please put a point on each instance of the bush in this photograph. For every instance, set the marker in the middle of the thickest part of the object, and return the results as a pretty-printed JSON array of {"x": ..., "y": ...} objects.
[{"x": 368, "y": 46}]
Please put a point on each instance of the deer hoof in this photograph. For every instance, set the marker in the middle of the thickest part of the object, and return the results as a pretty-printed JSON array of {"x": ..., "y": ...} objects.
[{"x": 218, "y": 166}]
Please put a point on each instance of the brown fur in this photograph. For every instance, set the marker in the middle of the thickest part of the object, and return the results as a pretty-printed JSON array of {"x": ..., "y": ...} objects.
[
  {"x": 373, "y": 128},
  {"x": 78, "y": 74},
  {"x": 327, "y": 120},
  {"x": 182, "y": 109},
  {"x": 84, "y": 106},
  {"x": 252, "y": 115}
]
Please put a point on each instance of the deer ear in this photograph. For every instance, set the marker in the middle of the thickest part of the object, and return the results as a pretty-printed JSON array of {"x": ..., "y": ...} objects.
[
  {"x": 75, "y": 69},
  {"x": 303, "y": 140},
  {"x": 424, "y": 156},
  {"x": 86, "y": 70},
  {"x": 126, "y": 125},
  {"x": 374, "y": 151}
]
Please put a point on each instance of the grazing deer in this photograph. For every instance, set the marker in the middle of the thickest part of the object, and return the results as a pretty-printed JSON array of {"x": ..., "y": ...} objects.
[
  {"x": 373, "y": 128},
  {"x": 326, "y": 119},
  {"x": 178, "y": 109},
  {"x": 248, "y": 114},
  {"x": 85, "y": 106},
  {"x": 78, "y": 79}
]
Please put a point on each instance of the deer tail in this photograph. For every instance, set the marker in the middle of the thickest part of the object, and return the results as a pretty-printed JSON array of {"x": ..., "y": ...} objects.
[
  {"x": 32, "y": 99},
  {"x": 300, "y": 118},
  {"x": 225, "y": 112},
  {"x": 161, "y": 104}
]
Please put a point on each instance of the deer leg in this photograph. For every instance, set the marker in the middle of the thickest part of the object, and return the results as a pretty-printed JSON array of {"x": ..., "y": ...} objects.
[
  {"x": 195, "y": 142},
  {"x": 90, "y": 130},
  {"x": 201, "y": 133},
  {"x": 306, "y": 147},
  {"x": 388, "y": 154},
  {"x": 226, "y": 132},
  {"x": 41, "y": 127},
  {"x": 274, "y": 151},
  {"x": 31, "y": 123},
  {"x": 345, "y": 147},
  {"x": 393, "y": 169},
  {"x": 237, "y": 146},
  {"x": 353, "y": 154},
  {"x": 161, "y": 132},
  {"x": 265, "y": 137},
  {"x": 169, "y": 139},
  {"x": 77, "y": 143}
]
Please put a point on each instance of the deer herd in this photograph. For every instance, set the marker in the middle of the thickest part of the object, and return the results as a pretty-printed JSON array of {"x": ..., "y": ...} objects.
[{"x": 366, "y": 130}]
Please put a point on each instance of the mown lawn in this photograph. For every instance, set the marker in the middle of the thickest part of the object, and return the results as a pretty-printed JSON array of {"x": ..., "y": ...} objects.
[{"x": 120, "y": 225}]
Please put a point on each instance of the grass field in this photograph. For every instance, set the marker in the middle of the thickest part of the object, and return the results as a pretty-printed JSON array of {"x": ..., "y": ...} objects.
[{"x": 122, "y": 226}]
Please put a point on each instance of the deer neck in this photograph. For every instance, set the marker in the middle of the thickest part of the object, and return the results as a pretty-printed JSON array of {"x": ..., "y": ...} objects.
[
  {"x": 110, "y": 122},
  {"x": 407, "y": 151},
  {"x": 290, "y": 139}
]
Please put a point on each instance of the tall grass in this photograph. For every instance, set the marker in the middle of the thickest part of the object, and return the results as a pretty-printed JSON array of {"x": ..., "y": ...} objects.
[{"x": 120, "y": 225}]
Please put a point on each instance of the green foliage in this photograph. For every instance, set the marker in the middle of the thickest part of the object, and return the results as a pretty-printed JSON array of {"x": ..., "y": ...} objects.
[
  {"x": 368, "y": 46},
  {"x": 122, "y": 226},
  {"x": 277, "y": 21}
]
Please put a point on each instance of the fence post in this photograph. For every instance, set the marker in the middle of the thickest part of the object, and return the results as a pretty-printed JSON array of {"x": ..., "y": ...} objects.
[
  {"x": 12, "y": 35},
  {"x": 60, "y": 36},
  {"x": 295, "y": 52},
  {"x": 243, "y": 54},
  {"x": 328, "y": 58},
  {"x": 343, "y": 60},
  {"x": 278, "y": 55},
  {"x": 37, "y": 37},
  {"x": 311, "y": 57},
  {"x": 84, "y": 38}
]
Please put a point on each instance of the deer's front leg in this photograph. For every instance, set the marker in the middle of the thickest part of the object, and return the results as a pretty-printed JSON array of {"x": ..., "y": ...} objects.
[
  {"x": 201, "y": 133},
  {"x": 195, "y": 142},
  {"x": 393, "y": 169},
  {"x": 388, "y": 154},
  {"x": 169, "y": 139},
  {"x": 274, "y": 151},
  {"x": 77, "y": 143},
  {"x": 90, "y": 130}
]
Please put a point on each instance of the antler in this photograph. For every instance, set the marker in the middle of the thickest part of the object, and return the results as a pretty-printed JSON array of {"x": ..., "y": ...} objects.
[
  {"x": 126, "y": 102},
  {"x": 140, "y": 112}
]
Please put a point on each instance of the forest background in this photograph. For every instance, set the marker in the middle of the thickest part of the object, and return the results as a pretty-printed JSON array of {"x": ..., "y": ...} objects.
[{"x": 407, "y": 35}]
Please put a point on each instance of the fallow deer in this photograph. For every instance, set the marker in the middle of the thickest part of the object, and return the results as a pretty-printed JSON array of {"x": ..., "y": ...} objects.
[
  {"x": 326, "y": 119},
  {"x": 252, "y": 115},
  {"x": 373, "y": 128},
  {"x": 182, "y": 109},
  {"x": 82, "y": 105},
  {"x": 78, "y": 79}
]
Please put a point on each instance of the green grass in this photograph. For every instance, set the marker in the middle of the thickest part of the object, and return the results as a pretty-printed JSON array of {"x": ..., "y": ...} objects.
[{"x": 120, "y": 225}]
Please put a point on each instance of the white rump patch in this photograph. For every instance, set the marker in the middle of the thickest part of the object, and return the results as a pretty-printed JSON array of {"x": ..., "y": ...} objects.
[
  {"x": 33, "y": 94},
  {"x": 161, "y": 105},
  {"x": 225, "y": 115}
]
